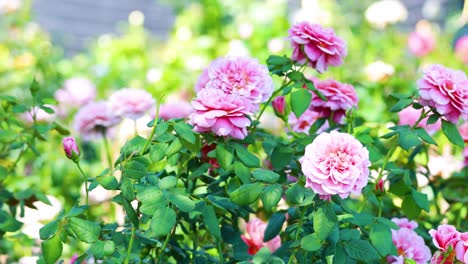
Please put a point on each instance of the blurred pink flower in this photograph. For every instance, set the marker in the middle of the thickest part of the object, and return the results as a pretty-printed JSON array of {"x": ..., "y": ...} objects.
[
  {"x": 41, "y": 115},
  {"x": 405, "y": 223},
  {"x": 174, "y": 110},
  {"x": 440, "y": 258},
  {"x": 335, "y": 163},
  {"x": 409, "y": 245},
  {"x": 131, "y": 102},
  {"x": 461, "y": 248},
  {"x": 279, "y": 105},
  {"x": 70, "y": 147},
  {"x": 446, "y": 90},
  {"x": 223, "y": 114},
  {"x": 464, "y": 131},
  {"x": 75, "y": 93},
  {"x": 444, "y": 236},
  {"x": 317, "y": 46},
  {"x": 240, "y": 76},
  {"x": 461, "y": 49},
  {"x": 305, "y": 122},
  {"x": 422, "y": 41},
  {"x": 73, "y": 258},
  {"x": 340, "y": 98},
  {"x": 253, "y": 237},
  {"x": 410, "y": 115},
  {"x": 93, "y": 119}
]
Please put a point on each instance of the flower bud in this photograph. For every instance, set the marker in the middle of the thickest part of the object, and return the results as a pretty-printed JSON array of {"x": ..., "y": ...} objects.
[
  {"x": 279, "y": 105},
  {"x": 379, "y": 187},
  {"x": 70, "y": 148}
]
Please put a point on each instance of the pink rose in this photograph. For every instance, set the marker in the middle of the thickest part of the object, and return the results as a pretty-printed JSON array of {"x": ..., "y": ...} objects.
[
  {"x": 441, "y": 258},
  {"x": 75, "y": 92},
  {"x": 461, "y": 248},
  {"x": 340, "y": 98},
  {"x": 131, "y": 102},
  {"x": 279, "y": 104},
  {"x": 305, "y": 122},
  {"x": 420, "y": 43},
  {"x": 240, "y": 76},
  {"x": 221, "y": 113},
  {"x": 446, "y": 90},
  {"x": 253, "y": 237},
  {"x": 405, "y": 223},
  {"x": 180, "y": 109},
  {"x": 461, "y": 49},
  {"x": 70, "y": 148},
  {"x": 464, "y": 131},
  {"x": 317, "y": 46},
  {"x": 409, "y": 245},
  {"x": 444, "y": 236},
  {"x": 94, "y": 119},
  {"x": 335, "y": 163},
  {"x": 410, "y": 115}
]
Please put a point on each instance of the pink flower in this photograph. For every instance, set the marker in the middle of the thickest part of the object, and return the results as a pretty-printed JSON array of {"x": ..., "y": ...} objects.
[
  {"x": 76, "y": 92},
  {"x": 409, "y": 245},
  {"x": 444, "y": 236},
  {"x": 279, "y": 105},
  {"x": 379, "y": 187},
  {"x": 446, "y": 90},
  {"x": 240, "y": 76},
  {"x": 410, "y": 115},
  {"x": 461, "y": 248},
  {"x": 253, "y": 237},
  {"x": 461, "y": 49},
  {"x": 340, "y": 98},
  {"x": 405, "y": 223},
  {"x": 422, "y": 41},
  {"x": 73, "y": 259},
  {"x": 70, "y": 148},
  {"x": 180, "y": 109},
  {"x": 442, "y": 258},
  {"x": 464, "y": 131},
  {"x": 41, "y": 115},
  {"x": 221, "y": 113},
  {"x": 305, "y": 122},
  {"x": 94, "y": 119},
  {"x": 131, "y": 102},
  {"x": 335, "y": 163},
  {"x": 465, "y": 155},
  {"x": 317, "y": 46}
]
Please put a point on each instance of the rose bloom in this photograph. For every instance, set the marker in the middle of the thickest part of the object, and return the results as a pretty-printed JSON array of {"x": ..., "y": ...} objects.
[
  {"x": 379, "y": 71},
  {"x": 220, "y": 113},
  {"x": 410, "y": 115},
  {"x": 461, "y": 49},
  {"x": 444, "y": 236},
  {"x": 384, "y": 12},
  {"x": 41, "y": 115},
  {"x": 340, "y": 98},
  {"x": 75, "y": 92},
  {"x": 305, "y": 122},
  {"x": 464, "y": 131},
  {"x": 253, "y": 237},
  {"x": 175, "y": 110},
  {"x": 317, "y": 46},
  {"x": 94, "y": 119},
  {"x": 461, "y": 248},
  {"x": 422, "y": 41},
  {"x": 409, "y": 244},
  {"x": 405, "y": 223},
  {"x": 446, "y": 90},
  {"x": 240, "y": 76},
  {"x": 131, "y": 102},
  {"x": 335, "y": 163}
]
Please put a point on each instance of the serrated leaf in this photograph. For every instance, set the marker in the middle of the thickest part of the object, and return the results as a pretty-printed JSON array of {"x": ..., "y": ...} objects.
[
  {"x": 421, "y": 200},
  {"x": 422, "y": 133},
  {"x": 224, "y": 156},
  {"x": 408, "y": 139},
  {"x": 271, "y": 195},
  {"x": 158, "y": 151},
  {"x": 163, "y": 221},
  {"x": 361, "y": 250},
  {"x": 249, "y": 159},
  {"x": 247, "y": 193},
  {"x": 410, "y": 207},
  {"x": 451, "y": 132},
  {"x": 48, "y": 230},
  {"x": 185, "y": 132},
  {"x": 168, "y": 182},
  {"x": 324, "y": 221},
  {"x": 242, "y": 172},
  {"x": 52, "y": 249},
  {"x": 381, "y": 237},
  {"x": 86, "y": 231},
  {"x": 300, "y": 101},
  {"x": 266, "y": 175},
  {"x": 311, "y": 242},
  {"x": 182, "y": 202},
  {"x": 135, "y": 168}
]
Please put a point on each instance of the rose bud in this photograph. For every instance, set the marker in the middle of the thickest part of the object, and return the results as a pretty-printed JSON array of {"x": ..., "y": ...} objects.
[
  {"x": 70, "y": 148},
  {"x": 279, "y": 105}
]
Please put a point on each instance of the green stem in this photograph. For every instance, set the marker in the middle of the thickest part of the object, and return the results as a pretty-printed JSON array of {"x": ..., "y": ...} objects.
[
  {"x": 291, "y": 130},
  {"x": 296, "y": 238},
  {"x": 423, "y": 115},
  {"x": 85, "y": 180},
  {"x": 161, "y": 256},
  {"x": 130, "y": 245},
  {"x": 107, "y": 149},
  {"x": 148, "y": 141},
  {"x": 220, "y": 250}
]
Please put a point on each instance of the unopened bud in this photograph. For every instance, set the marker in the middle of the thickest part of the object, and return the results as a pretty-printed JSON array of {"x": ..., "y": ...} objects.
[
  {"x": 70, "y": 148},
  {"x": 379, "y": 187},
  {"x": 279, "y": 105}
]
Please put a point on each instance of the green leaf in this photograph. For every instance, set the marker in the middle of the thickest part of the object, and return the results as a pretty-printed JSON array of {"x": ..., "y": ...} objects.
[
  {"x": 421, "y": 200},
  {"x": 297, "y": 194},
  {"x": 300, "y": 101},
  {"x": 163, "y": 221},
  {"x": 224, "y": 156},
  {"x": 451, "y": 132},
  {"x": 158, "y": 151},
  {"x": 311, "y": 242},
  {"x": 135, "y": 168},
  {"x": 275, "y": 223},
  {"x": 408, "y": 139},
  {"x": 281, "y": 156},
  {"x": 173, "y": 148},
  {"x": 76, "y": 210},
  {"x": 401, "y": 104},
  {"x": 185, "y": 132},
  {"x": 266, "y": 175},
  {"x": 277, "y": 60},
  {"x": 182, "y": 202},
  {"x": 151, "y": 199},
  {"x": 295, "y": 76},
  {"x": 48, "y": 230},
  {"x": 381, "y": 237},
  {"x": 410, "y": 207},
  {"x": 52, "y": 249},
  {"x": 126, "y": 188},
  {"x": 247, "y": 193},
  {"x": 168, "y": 182},
  {"x": 361, "y": 250},
  {"x": 349, "y": 234},
  {"x": 271, "y": 195},
  {"x": 422, "y": 133},
  {"x": 242, "y": 172},
  {"x": 8, "y": 223},
  {"x": 249, "y": 159},
  {"x": 132, "y": 215},
  {"x": 211, "y": 221},
  {"x": 324, "y": 221},
  {"x": 108, "y": 182},
  {"x": 86, "y": 231},
  {"x": 101, "y": 249}
]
